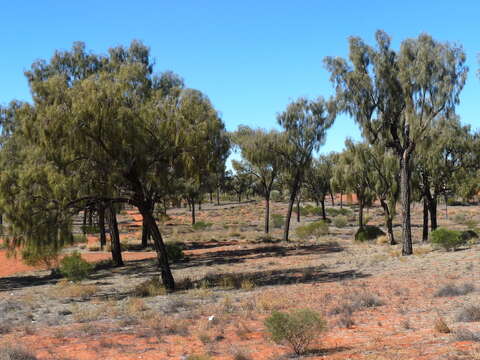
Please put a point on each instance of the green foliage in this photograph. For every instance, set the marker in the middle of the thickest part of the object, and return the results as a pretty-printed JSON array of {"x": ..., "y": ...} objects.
[
  {"x": 277, "y": 220},
  {"x": 340, "y": 221},
  {"x": 201, "y": 225},
  {"x": 469, "y": 236},
  {"x": 75, "y": 268},
  {"x": 174, "y": 251},
  {"x": 338, "y": 211},
  {"x": 447, "y": 239},
  {"x": 276, "y": 196},
  {"x": 368, "y": 232},
  {"x": 297, "y": 328},
  {"x": 315, "y": 229},
  {"x": 90, "y": 229},
  {"x": 46, "y": 256},
  {"x": 304, "y": 211}
]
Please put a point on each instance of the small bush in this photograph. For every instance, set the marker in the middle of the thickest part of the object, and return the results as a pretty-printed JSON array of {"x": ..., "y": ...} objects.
[
  {"x": 74, "y": 268},
  {"x": 463, "y": 334},
  {"x": 152, "y": 287},
  {"x": 16, "y": 353},
  {"x": 277, "y": 220},
  {"x": 455, "y": 290},
  {"x": 447, "y": 239},
  {"x": 368, "y": 232},
  {"x": 297, "y": 328},
  {"x": 90, "y": 229},
  {"x": 468, "y": 236},
  {"x": 276, "y": 196},
  {"x": 340, "y": 221},
  {"x": 174, "y": 251},
  {"x": 333, "y": 212},
  {"x": 315, "y": 229},
  {"x": 304, "y": 211},
  {"x": 201, "y": 225},
  {"x": 469, "y": 313}
]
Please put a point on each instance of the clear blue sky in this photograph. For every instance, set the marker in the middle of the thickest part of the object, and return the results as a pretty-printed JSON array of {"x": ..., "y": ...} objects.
[{"x": 251, "y": 57}]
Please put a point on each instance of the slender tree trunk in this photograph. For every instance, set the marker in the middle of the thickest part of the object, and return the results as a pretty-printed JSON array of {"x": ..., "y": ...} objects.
[
  {"x": 114, "y": 237},
  {"x": 166, "y": 273},
  {"x": 267, "y": 212},
  {"x": 101, "y": 225},
  {"x": 360, "y": 213},
  {"x": 239, "y": 198},
  {"x": 293, "y": 195},
  {"x": 432, "y": 208},
  {"x": 388, "y": 221},
  {"x": 90, "y": 217},
  {"x": 425, "y": 220},
  {"x": 84, "y": 227},
  {"x": 145, "y": 233},
  {"x": 332, "y": 198},
  {"x": 193, "y": 211},
  {"x": 324, "y": 214},
  {"x": 341, "y": 200},
  {"x": 298, "y": 208},
  {"x": 218, "y": 196},
  {"x": 405, "y": 183},
  {"x": 211, "y": 197}
]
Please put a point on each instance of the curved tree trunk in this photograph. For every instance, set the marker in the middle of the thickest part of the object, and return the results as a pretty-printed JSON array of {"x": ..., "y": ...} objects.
[
  {"x": 165, "y": 272},
  {"x": 114, "y": 237}
]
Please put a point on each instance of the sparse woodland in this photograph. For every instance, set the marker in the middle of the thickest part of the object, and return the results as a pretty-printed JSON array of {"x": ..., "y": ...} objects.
[{"x": 116, "y": 186}]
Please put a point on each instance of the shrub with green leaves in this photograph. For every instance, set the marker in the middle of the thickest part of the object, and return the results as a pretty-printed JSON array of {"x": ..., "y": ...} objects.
[
  {"x": 276, "y": 196},
  {"x": 297, "y": 328},
  {"x": 201, "y": 225},
  {"x": 340, "y": 211},
  {"x": 174, "y": 251},
  {"x": 340, "y": 221},
  {"x": 304, "y": 210},
  {"x": 368, "y": 233},
  {"x": 74, "y": 267},
  {"x": 277, "y": 220},
  {"x": 314, "y": 229},
  {"x": 447, "y": 239}
]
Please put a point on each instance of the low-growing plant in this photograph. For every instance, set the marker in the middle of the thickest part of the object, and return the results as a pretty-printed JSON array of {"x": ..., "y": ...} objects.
[
  {"x": 174, "y": 251},
  {"x": 447, "y": 239},
  {"x": 16, "y": 353},
  {"x": 368, "y": 232},
  {"x": 441, "y": 326},
  {"x": 455, "y": 290},
  {"x": 469, "y": 313},
  {"x": 314, "y": 229},
  {"x": 277, "y": 220},
  {"x": 340, "y": 221},
  {"x": 201, "y": 225},
  {"x": 298, "y": 328},
  {"x": 276, "y": 196},
  {"x": 151, "y": 287},
  {"x": 74, "y": 267}
]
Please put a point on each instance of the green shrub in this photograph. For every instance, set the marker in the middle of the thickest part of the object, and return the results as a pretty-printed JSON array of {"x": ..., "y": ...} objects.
[
  {"x": 277, "y": 220},
  {"x": 201, "y": 225},
  {"x": 368, "y": 232},
  {"x": 74, "y": 268},
  {"x": 316, "y": 229},
  {"x": 276, "y": 196},
  {"x": 469, "y": 236},
  {"x": 90, "y": 229},
  {"x": 16, "y": 353},
  {"x": 338, "y": 211},
  {"x": 340, "y": 221},
  {"x": 174, "y": 251},
  {"x": 304, "y": 211},
  {"x": 297, "y": 328},
  {"x": 47, "y": 257},
  {"x": 447, "y": 239}
]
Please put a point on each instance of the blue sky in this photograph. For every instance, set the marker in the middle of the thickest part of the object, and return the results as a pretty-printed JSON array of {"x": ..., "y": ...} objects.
[{"x": 250, "y": 57}]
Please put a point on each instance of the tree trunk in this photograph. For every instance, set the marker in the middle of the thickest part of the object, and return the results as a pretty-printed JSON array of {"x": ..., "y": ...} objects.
[
  {"x": 239, "y": 198},
  {"x": 211, "y": 197},
  {"x": 298, "y": 208},
  {"x": 90, "y": 217},
  {"x": 432, "y": 208},
  {"x": 193, "y": 211},
  {"x": 425, "y": 220},
  {"x": 218, "y": 196},
  {"x": 405, "y": 180},
  {"x": 145, "y": 233},
  {"x": 324, "y": 214},
  {"x": 332, "y": 198},
  {"x": 388, "y": 221},
  {"x": 267, "y": 213},
  {"x": 341, "y": 200},
  {"x": 446, "y": 207},
  {"x": 360, "y": 213},
  {"x": 166, "y": 273},
  {"x": 84, "y": 227},
  {"x": 291, "y": 201},
  {"x": 101, "y": 225},
  {"x": 114, "y": 237}
]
